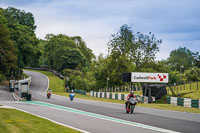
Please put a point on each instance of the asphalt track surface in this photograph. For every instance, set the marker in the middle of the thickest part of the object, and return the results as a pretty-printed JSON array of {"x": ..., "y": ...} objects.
[{"x": 114, "y": 114}]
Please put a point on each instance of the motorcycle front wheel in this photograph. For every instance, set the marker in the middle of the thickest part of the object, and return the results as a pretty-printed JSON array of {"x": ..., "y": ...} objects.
[{"x": 132, "y": 108}]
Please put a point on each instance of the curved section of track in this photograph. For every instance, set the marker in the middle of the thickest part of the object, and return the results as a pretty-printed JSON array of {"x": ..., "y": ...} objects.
[{"x": 172, "y": 120}]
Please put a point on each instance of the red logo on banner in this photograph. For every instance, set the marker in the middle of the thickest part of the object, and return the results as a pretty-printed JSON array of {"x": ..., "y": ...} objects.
[{"x": 161, "y": 77}]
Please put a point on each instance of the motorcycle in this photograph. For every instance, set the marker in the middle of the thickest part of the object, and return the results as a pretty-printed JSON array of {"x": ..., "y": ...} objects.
[
  {"x": 48, "y": 95},
  {"x": 71, "y": 96},
  {"x": 131, "y": 105}
]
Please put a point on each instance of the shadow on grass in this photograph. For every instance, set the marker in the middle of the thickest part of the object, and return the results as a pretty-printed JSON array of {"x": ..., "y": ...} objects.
[{"x": 185, "y": 93}]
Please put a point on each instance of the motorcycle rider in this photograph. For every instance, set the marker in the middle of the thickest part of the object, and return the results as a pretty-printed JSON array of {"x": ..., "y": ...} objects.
[
  {"x": 71, "y": 95},
  {"x": 49, "y": 91},
  {"x": 129, "y": 96},
  {"x": 71, "y": 92}
]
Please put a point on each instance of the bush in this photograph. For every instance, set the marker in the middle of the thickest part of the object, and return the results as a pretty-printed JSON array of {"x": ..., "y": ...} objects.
[
  {"x": 2, "y": 78},
  {"x": 193, "y": 74}
]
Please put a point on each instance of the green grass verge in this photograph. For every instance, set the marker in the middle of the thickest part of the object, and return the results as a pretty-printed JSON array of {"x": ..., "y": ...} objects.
[
  {"x": 14, "y": 121},
  {"x": 187, "y": 91}
]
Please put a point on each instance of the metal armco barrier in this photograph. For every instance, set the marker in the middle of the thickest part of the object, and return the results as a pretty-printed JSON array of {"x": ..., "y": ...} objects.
[
  {"x": 186, "y": 102},
  {"x": 21, "y": 89},
  {"x": 49, "y": 70},
  {"x": 80, "y": 91}
]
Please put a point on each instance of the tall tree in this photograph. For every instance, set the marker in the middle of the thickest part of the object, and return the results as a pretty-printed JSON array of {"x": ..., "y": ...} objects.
[
  {"x": 67, "y": 52},
  {"x": 144, "y": 49},
  {"x": 139, "y": 48},
  {"x": 7, "y": 50},
  {"x": 21, "y": 26},
  {"x": 54, "y": 45},
  {"x": 20, "y": 17},
  {"x": 181, "y": 57},
  {"x": 68, "y": 58},
  {"x": 121, "y": 42},
  {"x": 196, "y": 59},
  {"x": 83, "y": 48}
]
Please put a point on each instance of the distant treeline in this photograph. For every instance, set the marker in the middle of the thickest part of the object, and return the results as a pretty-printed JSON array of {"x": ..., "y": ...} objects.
[{"x": 128, "y": 51}]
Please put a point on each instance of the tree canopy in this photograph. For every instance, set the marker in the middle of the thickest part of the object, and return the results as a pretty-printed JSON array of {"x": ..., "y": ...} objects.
[
  {"x": 181, "y": 57},
  {"x": 139, "y": 48},
  {"x": 8, "y": 59},
  {"x": 64, "y": 52},
  {"x": 128, "y": 51},
  {"x": 18, "y": 37}
]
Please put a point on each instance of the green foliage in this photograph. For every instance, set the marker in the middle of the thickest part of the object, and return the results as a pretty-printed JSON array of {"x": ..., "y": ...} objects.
[
  {"x": 21, "y": 27},
  {"x": 83, "y": 48},
  {"x": 8, "y": 58},
  {"x": 139, "y": 48},
  {"x": 2, "y": 77},
  {"x": 72, "y": 59},
  {"x": 174, "y": 77},
  {"x": 181, "y": 57},
  {"x": 196, "y": 59},
  {"x": 121, "y": 41},
  {"x": 64, "y": 52},
  {"x": 193, "y": 74},
  {"x": 16, "y": 16},
  {"x": 79, "y": 80},
  {"x": 144, "y": 49}
]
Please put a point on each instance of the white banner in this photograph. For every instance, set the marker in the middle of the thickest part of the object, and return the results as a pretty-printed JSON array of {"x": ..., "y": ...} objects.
[{"x": 149, "y": 77}]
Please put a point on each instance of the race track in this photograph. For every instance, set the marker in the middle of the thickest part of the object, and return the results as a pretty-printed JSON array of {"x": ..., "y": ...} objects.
[{"x": 101, "y": 117}]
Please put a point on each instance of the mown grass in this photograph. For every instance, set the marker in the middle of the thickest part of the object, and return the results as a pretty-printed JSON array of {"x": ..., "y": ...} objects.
[
  {"x": 186, "y": 91},
  {"x": 14, "y": 121},
  {"x": 60, "y": 91}
]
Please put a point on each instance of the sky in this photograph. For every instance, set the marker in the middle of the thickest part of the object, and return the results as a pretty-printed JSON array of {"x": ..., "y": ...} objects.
[{"x": 176, "y": 22}]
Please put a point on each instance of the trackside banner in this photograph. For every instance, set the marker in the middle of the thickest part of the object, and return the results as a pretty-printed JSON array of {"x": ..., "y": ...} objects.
[{"x": 149, "y": 77}]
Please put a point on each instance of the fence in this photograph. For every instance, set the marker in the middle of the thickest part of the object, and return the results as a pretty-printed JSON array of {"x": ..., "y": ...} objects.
[
  {"x": 49, "y": 70},
  {"x": 82, "y": 92},
  {"x": 124, "y": 88},
  {"x": 186, "y": 88},
  {"x": 21, "y": 88}
]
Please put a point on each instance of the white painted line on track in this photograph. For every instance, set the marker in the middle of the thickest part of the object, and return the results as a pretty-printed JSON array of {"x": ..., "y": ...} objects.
[
  {"x": 47, "y": 81},
  {"x": 103, "y": 117},
  {"x": 15, "y": 96},
  {"x": 48, "y": 119}
]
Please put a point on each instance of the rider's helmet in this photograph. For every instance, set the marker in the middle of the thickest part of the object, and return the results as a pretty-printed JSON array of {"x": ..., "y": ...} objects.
[
  {"x": 131, "y": 93},
  {"x": 72, "y": 91}
]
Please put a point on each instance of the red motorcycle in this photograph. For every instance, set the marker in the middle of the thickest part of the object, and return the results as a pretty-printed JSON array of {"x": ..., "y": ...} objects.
[
  {"x": 131, "y": 105},
  {"x": 48, "y": 95}
]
